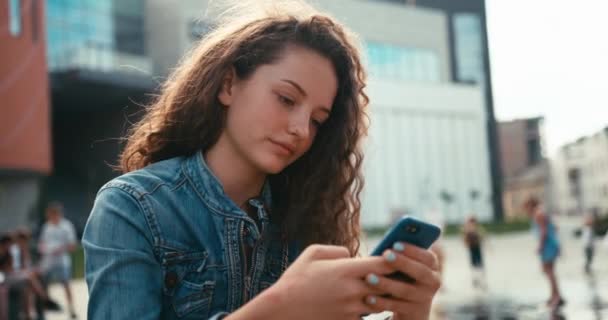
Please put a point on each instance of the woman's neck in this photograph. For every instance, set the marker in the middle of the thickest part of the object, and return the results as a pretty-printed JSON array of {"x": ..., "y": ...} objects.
[{"x": 240, "y": 180}]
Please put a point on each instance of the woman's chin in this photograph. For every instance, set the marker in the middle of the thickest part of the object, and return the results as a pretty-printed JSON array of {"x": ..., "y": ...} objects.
[{"x": 272, "y": 165}]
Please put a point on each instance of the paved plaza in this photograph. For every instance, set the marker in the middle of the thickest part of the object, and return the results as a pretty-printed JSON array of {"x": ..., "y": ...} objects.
[{"x": 516, "y": 286}]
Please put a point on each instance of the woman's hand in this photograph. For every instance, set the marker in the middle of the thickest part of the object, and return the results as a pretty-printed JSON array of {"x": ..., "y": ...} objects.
[
  {"x": 323, "y": 283},
  {"x": 410, "y": 301}
]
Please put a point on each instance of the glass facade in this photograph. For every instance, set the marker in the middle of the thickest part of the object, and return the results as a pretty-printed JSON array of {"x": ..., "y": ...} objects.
[
  {"x": 388, "y": 61},
  {"x": 14, "y": 21},
  {"x": 129, "y": 26},
  {"x": 468, "y": 47},
  {"x": 94, "y": 34}
]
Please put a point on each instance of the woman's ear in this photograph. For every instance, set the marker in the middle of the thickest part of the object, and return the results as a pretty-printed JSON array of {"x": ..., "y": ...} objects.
[{"x": 226, "y": 94}]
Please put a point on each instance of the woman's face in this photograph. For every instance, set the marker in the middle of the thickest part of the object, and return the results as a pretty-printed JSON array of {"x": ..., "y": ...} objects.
[{"x": 273, "y": 116}]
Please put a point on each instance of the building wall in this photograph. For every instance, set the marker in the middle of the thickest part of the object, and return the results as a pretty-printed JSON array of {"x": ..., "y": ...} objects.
[
  {"x": 18, "y": 202},
  {"x": 427, "y": 136},
  {"x": 166, "y": 28},
  {"x": 25, "y": 150},
  {"x": 379, "y": 23},
  {"x": 588, "y": 159},
  {"x": 394, "y": 24},
  {"x": 515, "y": 197},
  {"x": 521, "y": 145},
  {"x": 470, "y": 57},
  {"x": 24, "y": 124},
  {"x": 425, "y": 140},
  {"x": 513, "y": 151},
  {"x": 532, "y": 182},
  {"x": 102, "y": 35}
]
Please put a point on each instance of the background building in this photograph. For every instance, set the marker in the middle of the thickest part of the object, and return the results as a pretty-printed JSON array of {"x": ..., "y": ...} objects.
[
  {"x": 521, "y": 145},
  {"x": 579, "y": 173},
  {"x": 470, "y": 63},
  {"x": 25, "y": 146},
  {"x": 428, "y": 147},
  {"x": 525, "y": 170},
  {"x": 408, "y": 61},
  {"x": 428, "y": 144},
  {"x": 99, "y": 71}
]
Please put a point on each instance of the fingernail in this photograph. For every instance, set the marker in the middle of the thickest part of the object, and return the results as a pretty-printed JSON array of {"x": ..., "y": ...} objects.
[
  {"x": 391, "y": 257},
  {"x": 398, "y": 246},
  {"x": 371, "y": 300},
  {"x": 373, "y": 279}
]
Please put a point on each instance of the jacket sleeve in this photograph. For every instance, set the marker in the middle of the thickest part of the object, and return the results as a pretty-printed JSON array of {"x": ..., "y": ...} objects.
[{"x": 122, "y": 273}]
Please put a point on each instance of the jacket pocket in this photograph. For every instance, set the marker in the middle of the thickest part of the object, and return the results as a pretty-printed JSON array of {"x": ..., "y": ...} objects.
[
  {"x": 186, "y": 283},
  {"x": 194, "y": 303}
]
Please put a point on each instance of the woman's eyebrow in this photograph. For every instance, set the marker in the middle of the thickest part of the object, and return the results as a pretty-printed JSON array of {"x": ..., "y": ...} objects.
[{"x": 295, "y": 85}]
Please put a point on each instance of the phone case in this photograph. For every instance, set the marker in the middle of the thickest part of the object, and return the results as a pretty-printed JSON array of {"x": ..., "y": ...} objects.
[
  {"x": 410, "y": 231},
  {"x": 423, "y": 236}
]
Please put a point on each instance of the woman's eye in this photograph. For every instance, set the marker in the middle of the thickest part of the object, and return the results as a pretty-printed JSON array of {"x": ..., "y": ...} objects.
[
  {"x": 316, "y": 123},
  {"x": 286, "y": 101}
]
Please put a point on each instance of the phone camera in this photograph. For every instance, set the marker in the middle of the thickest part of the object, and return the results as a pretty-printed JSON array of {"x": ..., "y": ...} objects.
[{"x": 411, "y": 229}]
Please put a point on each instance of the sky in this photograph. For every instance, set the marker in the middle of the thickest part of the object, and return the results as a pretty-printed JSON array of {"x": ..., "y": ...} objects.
[{"x": 550, "y": 58}]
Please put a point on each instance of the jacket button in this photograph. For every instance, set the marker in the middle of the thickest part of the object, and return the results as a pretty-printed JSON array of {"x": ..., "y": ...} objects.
[{"x": 171, "y": 280}]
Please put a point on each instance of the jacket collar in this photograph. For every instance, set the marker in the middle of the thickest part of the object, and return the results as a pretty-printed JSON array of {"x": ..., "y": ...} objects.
[{"x": 212, "y": 192}]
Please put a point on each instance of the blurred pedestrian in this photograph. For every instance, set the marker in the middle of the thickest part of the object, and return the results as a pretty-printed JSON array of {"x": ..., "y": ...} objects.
[
  {"x": 21, "y": 281},
  {"x": 23, "y": 258},
  {"x": 548, "y": 248},
  {"x": 472, "y": 234},
  {"x": 240, "y": 193},
  {"x": 23, "y": 237},
  {"x": 57, "y": 241},
  {"x": 589, "y": 238}
]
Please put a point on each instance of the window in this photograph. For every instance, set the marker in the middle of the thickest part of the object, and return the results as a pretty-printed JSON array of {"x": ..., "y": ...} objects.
[
  {"x": 128, "y": 26},
  {"x": 129, "y": 34},
  {"x": 468, "y": 47},
  {"x": 80, "y": 34},
  {"x": 402, "y": 63},
  {"x": 534, "y": 151},
  {"x": 14, "y": 20}
]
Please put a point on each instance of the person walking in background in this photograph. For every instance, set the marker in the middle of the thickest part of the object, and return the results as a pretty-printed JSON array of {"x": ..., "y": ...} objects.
[
  {"x": 57, "y": 241},
  {"x": 22, "y": 280},
  {"x": 472, "y": 234},
  {"x": 589, "y": 237},
  {"x": 548, "y": 248}
]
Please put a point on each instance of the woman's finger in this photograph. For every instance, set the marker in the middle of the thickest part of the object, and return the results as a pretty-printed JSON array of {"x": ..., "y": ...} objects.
[
  {"x": 423, "y": 256},
  {"x": 381, "y": 304},
  {"x": 420, "y": 272},
  {"x": 325, "y": 252},
  {"x": 360, "y": 267},
  {"x": 396, "y": 289}
]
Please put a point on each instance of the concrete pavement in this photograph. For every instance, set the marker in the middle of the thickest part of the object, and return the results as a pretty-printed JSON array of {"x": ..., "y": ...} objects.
[{"x": 517, "y": 288}]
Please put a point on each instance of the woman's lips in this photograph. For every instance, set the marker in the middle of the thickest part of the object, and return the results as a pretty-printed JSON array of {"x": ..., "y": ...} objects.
[{"x": 285, "y": 148}]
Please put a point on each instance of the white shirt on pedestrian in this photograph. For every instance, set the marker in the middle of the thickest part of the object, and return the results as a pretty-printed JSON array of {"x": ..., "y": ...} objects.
[{"x": 53, "y": 237}]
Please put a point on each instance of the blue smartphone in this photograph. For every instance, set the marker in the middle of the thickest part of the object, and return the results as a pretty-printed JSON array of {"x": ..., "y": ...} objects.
[{"x": 409, "y": 231}]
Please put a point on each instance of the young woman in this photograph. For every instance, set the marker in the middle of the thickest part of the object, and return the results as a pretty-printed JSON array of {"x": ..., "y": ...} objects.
[
  {"x": 548, "y": 247},
  {"x": 240, "y": 197}
]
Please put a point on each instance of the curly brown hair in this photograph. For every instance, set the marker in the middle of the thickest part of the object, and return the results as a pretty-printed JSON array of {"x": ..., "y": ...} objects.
[{"x": 316, "y": 198}]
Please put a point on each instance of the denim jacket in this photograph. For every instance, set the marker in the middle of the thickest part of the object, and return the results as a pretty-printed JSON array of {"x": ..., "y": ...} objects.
[{"x": 165, "y": 242}]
